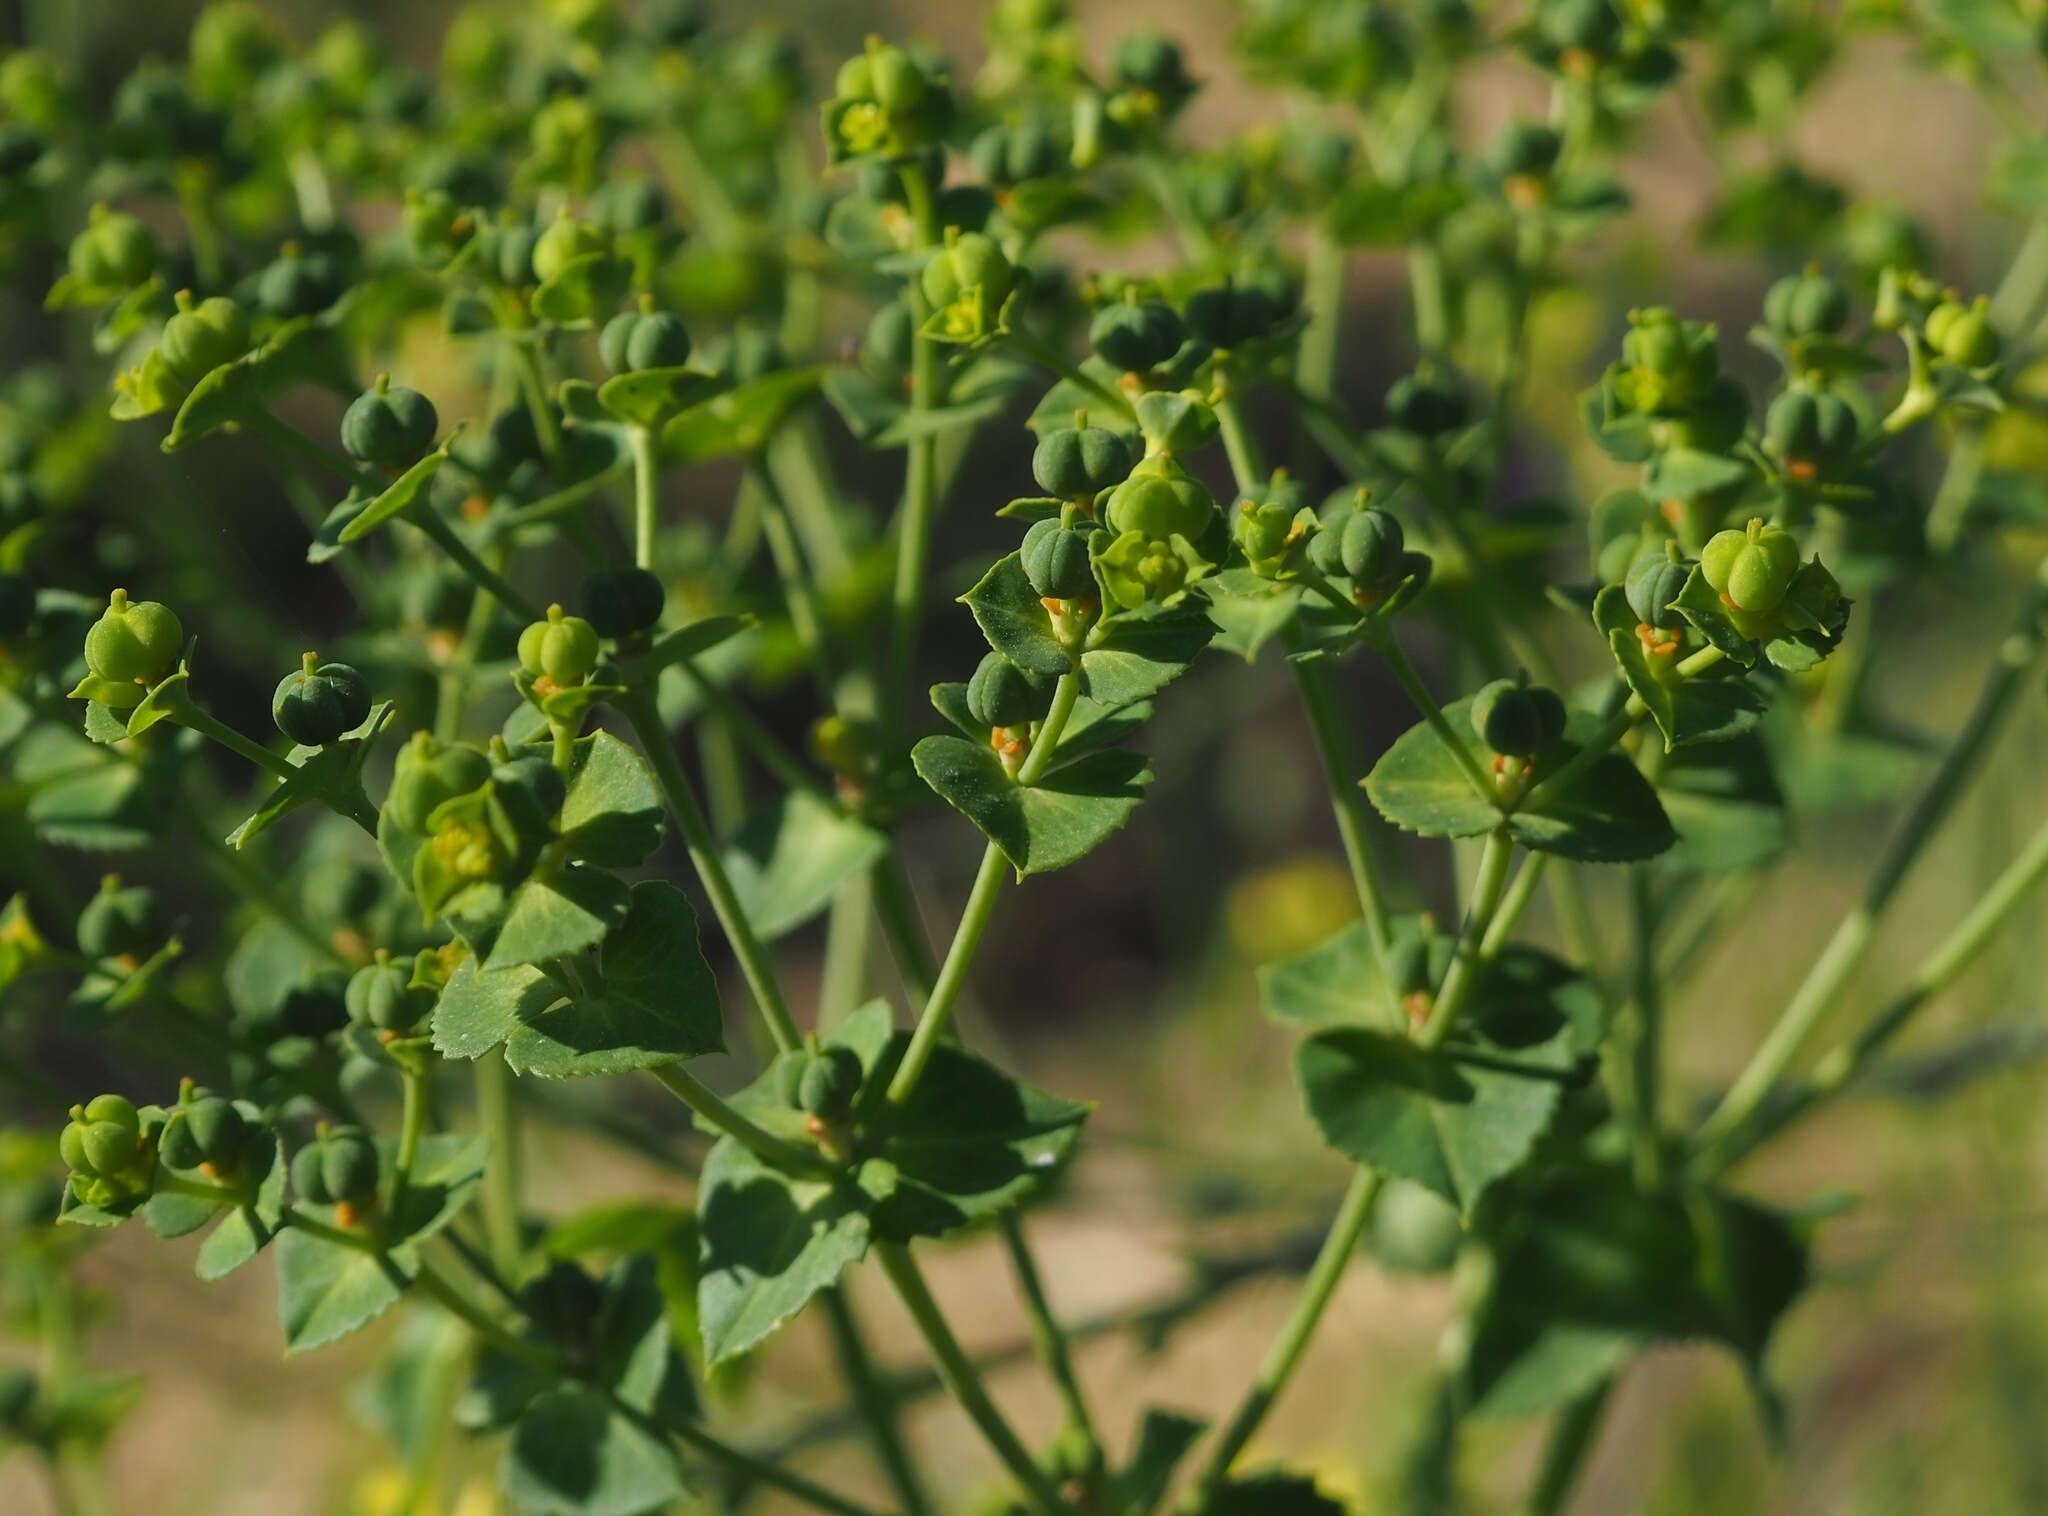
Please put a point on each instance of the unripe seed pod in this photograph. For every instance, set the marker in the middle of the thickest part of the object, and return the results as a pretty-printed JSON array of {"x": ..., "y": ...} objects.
[
  {"x": 1150, "y": 61},
  {"x": 200, "y": 338},
  {"x": 1753, "y": 565},
  {"x": 641, "y": 340},
  {"x": 1426, "y": 406},
  {"x": 133, "y": 641},
  {"x": 1229, "y": 315},
  {"x": 427, "y": 775},
  {"x": 789, "y": 1075},
  {"x": 493, "y": 452},
  {"x": 308, "y": 1176},
  {"x": 1159, "y": 500},
  {"x": 1524, "y": 149},
  {"x": 1369, "y": 546},
  {"x": 566, "y": 240},
  {"x": 969, "y": 261},
  {"x": 1056, "y": 561},
  {"x": 1001, "y": 694},
  {"x": 209, "y": 1127},
  {"x": 1077, "y": 463},
  {"x": 115, "y": 251},
  {"x": 315, "y": 1009},
  {"x": 1516, "y": 719},
  {"x": 389, "y": 425},
  {"x": 620, "y": 602},
  {"x": 381, "y": 997},
  {"x": 339, "y": 1165},
  {"x": 1655, "y": 579},
  {"x": 830, "y": 1083},
  {"x": 317, "y": 702},
  {"x": 562, "y": 648},
  {"x": 1963, "y": 334},
  {"x": 1810, "y": 431},
  {"x": 299, "y": 284},
  {"x": 1808, "y": 304},
  {"x": 1136, "y": 336},
  {"x": 121, "y": 921}
]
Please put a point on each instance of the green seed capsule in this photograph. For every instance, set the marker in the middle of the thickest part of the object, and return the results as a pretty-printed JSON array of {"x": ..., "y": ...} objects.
[
  {"x": 427, "y": 775},
  {"x": 1753, "y": 566},
  {"x": 562, "y": 648},
  {"x": 1811, "y": 432},
  {"x": 1229, "y": 315},
  {"x": 1080, "y": 462},
  {"x": 1056, "y": 561},
  {"x": 1426, "y": 405},
  {"x": 200, "y": 338},
  {"x": 299, "y": 284},
  {"x": 317, "y": 702},
  {"x": 533, "y": 789},
  {"x": 309, "y": 1176},
  {"x": 209, "y": 1127},
  {"x": 115, "y": 251},
  {"x": 566, "y": 240},
  {"x": 1160, "y": 499},
  {"x": 121, "y": 921},
  {"x": 1136, "y": 336},
  {"x": 1655, "y": 579},
  {"x": 133, "y": 641},
  {"x": 830, "y": 1083},
  {"x": 1963, "y": 334},
  {"x": 1001, "y": 694},
  {"x": 1808, "y": 304},
  {"x": 1370, "y": 545},
  {"x": 389, "y": 425},
  {"x": 340, "y": 1165},
  {"x": 381, "y": 996},
  {"x": 620, "y": 602},
  {"x": 1524, "y": 149},
  {"x": 643, "y": 340},
  {"x": 1516, "y": 719}
]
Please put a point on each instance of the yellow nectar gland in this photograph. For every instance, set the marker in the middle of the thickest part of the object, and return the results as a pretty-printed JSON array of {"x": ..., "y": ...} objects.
[
  {"x": 1655, "y": 641},
  {"x": 1418, "y": 1004},
  {"x": 347, "y": 1217}
]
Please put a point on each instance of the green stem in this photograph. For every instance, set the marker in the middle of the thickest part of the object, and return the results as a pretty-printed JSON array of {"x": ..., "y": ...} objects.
[
  {"x": 981, "y": 904},
  {"x": 1030, "y": 346},
  {"x": 1513, "y": 904},
  {"x": 1418, "y": 693},
  {"x": 1642, "y": 1037},
  {"x": 843, "y": 967},
  {"x": 189, "y": 715},
  {"x": 759, "y": 1470},
  {"x": 646, "y": 494},
  {"x": 751, "y": 731},
  {"x": 759, "y": 971},
  {"x": 412, "y": 1126},
  {"x": 1247, "y": 458},
  {"x": 790, "y": 571},
  {"x": 534, "y": 385},
  {"x": 1841, "y": 1067},
  {"x": 876, "y": 1401},
  {"x": 1489, "y": 885},
  {"x": 445, "y": 537},
  {"x": 497, "y": 1114},
  {"x": 2018, "y": 656},
  {"x": 764, "y": 1144},
  {"x": 1050, "y": 1341},
  {"x": 916, "y": 516},
  {"x": 473, "y": 1316},
  {"x": 1565, "y": 1452},
  {"x": 896, "y": 907},
  {"x": 1285, "y": 1354},
  {"x": 1347, "y": 800},
  {"x": 296, "y": 442},
  {"x": 961, "y": 1376}
]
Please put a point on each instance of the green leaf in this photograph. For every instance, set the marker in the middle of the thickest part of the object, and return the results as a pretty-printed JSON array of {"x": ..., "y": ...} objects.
[
  {"x": 326, "y": 777},
  {"x": 586, "y": 288},
  {"x": 478, "y": 1011},
  {"x": 770, "y": 1242},
  {"x": 1700, "y": 603},
  {"x": 612, "y": 814},
  {"x": 558, "y": 913},
  {"x": 1449, "y": 1119},
  {"x": 1608, "y": 814},
  {"x": 398, "y": 496},
  {"x": 658, "y": 1002},
  {"x": 1337, "y": 982},
  {"x": 739, "y": 421},
  {"x": 788, "y": 861},
  {"x": 1272, "y": 1492},
  {"x": 1684, "y": 473},
  {"x": 220, "y": 398},
  {"x": 574, "y": 1454},
  {"x": 247, "y": 1230},
  {"x": 1010, "y": 615},
  {"x": 1249, "y": 611},
  {"x": 1044, "y": 826},
  {"x": 1725, "y": 804},
  {"x": 326, "y": 1291},
  {"x": 1164, "y": 1439},
  {"x": 1133, "y": 657},
  {"x": 1707, "y": 709},
  {"x": 649, "y": 397}
]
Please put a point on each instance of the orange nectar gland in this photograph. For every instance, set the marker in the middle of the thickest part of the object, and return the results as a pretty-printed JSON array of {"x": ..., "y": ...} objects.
[
  {"x": 347, "y": 1216},
  {"x": 1673, "y": 511},
  {"x": 1525, "y": 192},
  {"x": 1510, "y": 774},
  {"x": 828, "y": 1136},
  {"x": 1802, "y": 469},
  {"x": 1656, "y": 641},
  {"x": 1418, "y": 1004}
]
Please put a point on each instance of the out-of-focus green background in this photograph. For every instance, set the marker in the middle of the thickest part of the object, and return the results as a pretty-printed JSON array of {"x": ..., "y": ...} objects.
[{"x": 1916, "y": 1371}]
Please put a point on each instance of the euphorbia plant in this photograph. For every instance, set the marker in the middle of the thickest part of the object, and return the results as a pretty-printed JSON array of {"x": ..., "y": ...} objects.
[{"x": 478, "y": 345}]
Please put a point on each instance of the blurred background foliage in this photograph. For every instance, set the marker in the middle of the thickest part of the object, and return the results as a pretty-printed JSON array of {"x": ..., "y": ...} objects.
[{"x": 1916, "y": 1375}]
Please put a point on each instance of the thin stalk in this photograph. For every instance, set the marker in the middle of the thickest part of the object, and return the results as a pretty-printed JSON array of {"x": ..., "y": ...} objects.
[
  {"x": 445, "y": 537},
  {"x": 646, "y": 494},
  {"x": 896, "y": 907},
  {"x": 1050, "y": 1342},
  {"x": 790, "y": 570},
  {"x": 1280, "y": 1360},
  {"x": 2018, "y": 656},
  {"x": 876, "y": 1401},
  {"x": 1347, "y": 800},
  {"x": 1489, "y": 885},
  {"x": 1247, "y": 458},
  {"x": 961, "y": 1376},
  {"x": 755, "y": 964},
  {"x": 190, "y": 715},
  {"x": 297, "y": 443},
  {"x": 1570, "y": 1444},
  {"x": 981, "y": 904},
  {"x": 713, "y": 1107},
  {"x": 843, "y": 968},
  {"x": 1418, "y": 693},
  {"x": 534, "y": 385},
  {"x": 1841, "y": 1067},
  {"x": 1642, "y": 1036},
  {"x": 497, "y": 1114},
  {"x": 774, "y": 1476},
  {"x": 1513, "y": 904},
  {"x": 916, "y": 515},
  {"x": 751, "y": 731},
  {"x": 1038, "y": 351},
  {"x": 412, "y": 1126}
]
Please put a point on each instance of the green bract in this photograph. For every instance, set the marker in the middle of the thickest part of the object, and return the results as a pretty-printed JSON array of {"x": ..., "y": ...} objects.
[
  {"x": 389, "y": 425},
  {"x": 1141, "y": 568},
  {"x": 317, "y": 702},
  {"x": 133, "y": 642},
  {"x": 429, "y": 773},
  {"x": 562, "y": 648}
]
